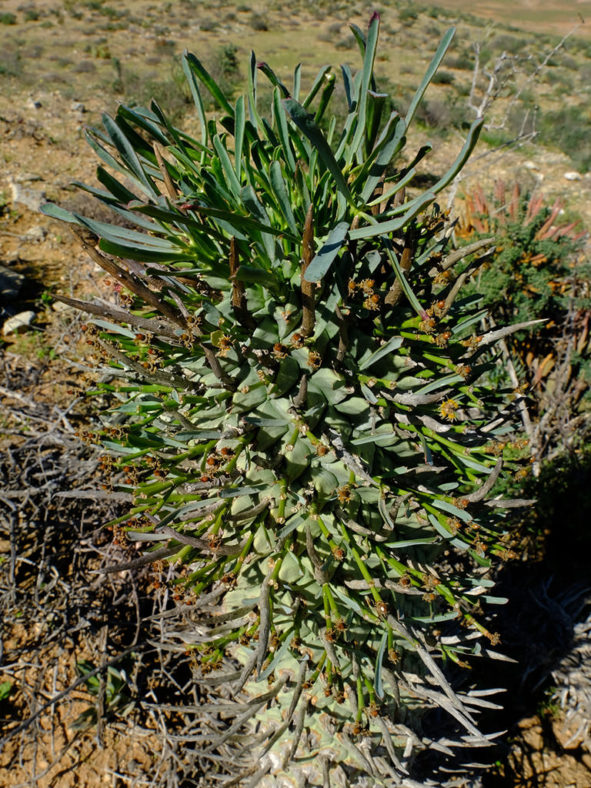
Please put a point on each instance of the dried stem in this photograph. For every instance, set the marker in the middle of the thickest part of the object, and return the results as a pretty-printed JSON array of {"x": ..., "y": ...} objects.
[
  {"x": 239, "y": 304},
  {"x": 172, "y": 192},
  {"x": 308, "y": 288},
  {"x": 395, "y": 292},
  {"x": 131, "y": 282}
]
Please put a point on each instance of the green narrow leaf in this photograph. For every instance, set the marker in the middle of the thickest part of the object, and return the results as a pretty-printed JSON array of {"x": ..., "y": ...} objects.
[
  {"x": 55, "y": 212},
  {"x": 280, "y": 190},
  {"x": 433, "y": 66},
  {"x": 240, "y": 222},
  {"x": 100, "y": 194},
  {"x": 399, "y": 185},
  {"x": 385, "y": 350},
  {"x": 297, "y": 81},
  {"x": 277, "y": 657},
  {"x": 367, "y": 74},
  {"x": 376, "y": 438},
  {"x": 384, "y": 228},
  {"x": 117, "y": 189},
  {"x": 387, "y": 146},
  {"x": 316, "y": 85},
  {"x": 146, "y": 254},
  {"x": 439, "y": 383},
  {"x": 174, "y": 133},
  {"x": 142, "y": 147},
  {"x": 196, "y": 94},
  {"x": 411, "y": 543},
  {"x": 467, "y": 149},
  {"x": 322, "y": 261},
  {"x": 305, "y": 123},
  {"x": 283, "y": 131},
  {"x": 375, "y": 108},
  {"x": 273, "y": 78},
  {"x": 252, "y": 93},
  {"x": 114, "y": 232},
  {"x": 377, "y": 682},
  {"x": 400, "y": 275},
  {"x": 144, "y": 119},
  {"x": 325, "y": 97},
  {"x": 347, "y": 601},
  {"x": 239, "y": 128},
  {"x": 197, "y": 67},
  {"x": 230, "y": 175},
  {"x": 348, "y": 86},
  {"x": 359, "y": 37},
  {"x": 128, "y": 154},
  {"x": 92, "y": 137},
  {"x": 256, "y": 209},
  {"x": 247, "y": 273}
]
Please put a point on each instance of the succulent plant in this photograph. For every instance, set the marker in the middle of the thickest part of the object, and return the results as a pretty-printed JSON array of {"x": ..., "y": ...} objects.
[
  {"x": 539, "y": 269},
  {"x": 301, "y": 411}
]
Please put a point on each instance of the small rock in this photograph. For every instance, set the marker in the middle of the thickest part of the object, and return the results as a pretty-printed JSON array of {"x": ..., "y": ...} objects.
[
  {"x": 77, "y": 106},
  {"x": 572, "y": 176},
  {"x": 10, "y": 283},
  {"x": 30, "y": 198},
  {"x": 530, "y": 165},
  {"x": 35, "y": 234},
  {"x": 59, "y": 306},
  {"x": 18, "y": 323},
  {"x": 34, "y": 103},
  {"x": 570, "y": 733}
]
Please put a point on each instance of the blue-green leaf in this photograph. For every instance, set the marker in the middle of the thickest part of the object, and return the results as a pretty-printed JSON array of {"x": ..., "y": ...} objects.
[
  {"x": 280, "y": 191},
  {"x": 401, "y": 276},
  {"x": 146, "y": 254},
  {"x": 197, "y": 68},
  {"x": 347, "y": 601},
  {"x": 128, "y": 154},
  {"x": 307, "y": 126},
  {"x": 283, "y": 131},
  {"x": 321, "y": 263},
  {"x": 385, "y": 350},
  {"x": 433, "y": 66},
  {"x": 377, "y": 682},
  {"x": 384, "y": 228},
  {"x": 239, "y": 127},
  {"x": 463, "y": 155},
  {"x": 367, "y": 73},
  {"x": 230, "y": 176},
  {"x": 197, "y": 98},
  {"x": 315, "y": 86},
  {"x": 55, "y": 212}
]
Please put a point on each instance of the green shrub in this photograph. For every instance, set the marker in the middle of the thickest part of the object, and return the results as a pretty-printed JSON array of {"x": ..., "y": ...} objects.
[
  {"x": 569, "y": 130},
  {"x": 462, "y": 62},
  {"x": 208, "y": 25},
  {"x": 7, "y": 19},
  {"x": 300, "y": 408},
  {"x": 538, "y": 271},
  {"x": 443, "y": 78},
  {"x": 511, "y": 44},
  {"x": 408, "y": 15},
  {"x": 258, "y": 22}
]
